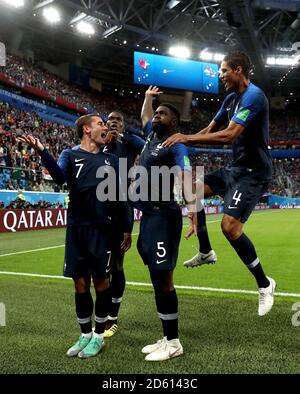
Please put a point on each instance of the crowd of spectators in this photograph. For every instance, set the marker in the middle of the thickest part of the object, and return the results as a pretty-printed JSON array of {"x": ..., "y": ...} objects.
[
  {"x": 20, "y": 204},
  {"x": 286, "y": 177},
  {"x": 284, "y": 124},
  {"x": 20, "y": 166},
  {"x": 26, "y": 73}
]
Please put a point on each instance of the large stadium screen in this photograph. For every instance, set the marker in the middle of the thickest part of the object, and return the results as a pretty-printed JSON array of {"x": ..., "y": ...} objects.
[{"x": 171, "y": 72}]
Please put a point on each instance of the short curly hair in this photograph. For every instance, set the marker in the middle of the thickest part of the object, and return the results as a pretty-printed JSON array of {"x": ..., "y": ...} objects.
[
  {"x": 236, "y": 59},
  {"x": 83, "y": 121}
]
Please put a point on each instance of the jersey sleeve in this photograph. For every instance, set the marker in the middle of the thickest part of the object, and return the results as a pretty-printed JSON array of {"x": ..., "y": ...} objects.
[
  {"x": 136, "y": 141},
  {"x": 180, "y": 157},
  {"x": 134, "y": 131},
  {"x": 251, "y": 104},
  {"x": 58, "y": 170},
  {"x": 221, "y": 116},
  {"x": 147, "y": 128}
]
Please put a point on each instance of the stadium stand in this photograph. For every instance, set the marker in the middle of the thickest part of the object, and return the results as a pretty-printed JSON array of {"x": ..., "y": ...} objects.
[{"x": 20, "y": 166}]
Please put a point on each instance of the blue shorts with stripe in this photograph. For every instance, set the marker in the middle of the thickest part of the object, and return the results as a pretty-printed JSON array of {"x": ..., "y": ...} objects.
[
  {"x": 159, "y": 240},
  {"x": 88, "y": 251},
  {"x": 240, "y": 187}
]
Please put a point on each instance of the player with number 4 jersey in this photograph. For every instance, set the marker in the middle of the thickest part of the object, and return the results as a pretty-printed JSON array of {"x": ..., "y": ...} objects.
[{"x": 245, "y": 116}]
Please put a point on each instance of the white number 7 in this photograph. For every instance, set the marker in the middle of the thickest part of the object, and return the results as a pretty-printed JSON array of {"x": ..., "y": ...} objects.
[
  {"x": 108, "y": 263},
  {"x": 80, "y": 165}
]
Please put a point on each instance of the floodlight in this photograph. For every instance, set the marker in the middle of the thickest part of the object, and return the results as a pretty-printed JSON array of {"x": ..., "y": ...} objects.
[
  {"x": 218, "y": 57},
  {"x": 85, "y": 28},
  {"x": 51, "y": 15},
  {"x": 180, "y": 51},
  {"x": 204, "y": 55},
  {"x": 15, "y": 3},
  {"x": 271, "y": 60}
]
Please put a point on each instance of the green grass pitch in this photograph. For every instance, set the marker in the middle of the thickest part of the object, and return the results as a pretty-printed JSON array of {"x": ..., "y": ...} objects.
[{"x": 220, "y": 331}]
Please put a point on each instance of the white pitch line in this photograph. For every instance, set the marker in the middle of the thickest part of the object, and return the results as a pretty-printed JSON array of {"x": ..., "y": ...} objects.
[
  {"x": 33, "y": 275},
  {"x": 32, "y": 250},
  {"x": 61, "y": 246},
  {"x": 212, "y": 289}
]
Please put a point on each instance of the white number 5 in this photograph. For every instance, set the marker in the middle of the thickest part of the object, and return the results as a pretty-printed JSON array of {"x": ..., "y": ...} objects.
[{"x": 161, "y": 249}]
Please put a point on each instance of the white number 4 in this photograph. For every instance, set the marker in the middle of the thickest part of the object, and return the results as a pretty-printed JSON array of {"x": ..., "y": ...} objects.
[
  {"x": 79, "y": 165},
  {"x": 161, "y": 251},
  {"x": 236, "y": 197}
]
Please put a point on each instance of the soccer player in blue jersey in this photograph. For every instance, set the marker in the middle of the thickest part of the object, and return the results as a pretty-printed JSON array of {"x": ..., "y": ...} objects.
[
  {"x": 161, "y": 225},
  {"x": 91, "y": 220},
  {"x": 125, "y": 146},
  {"x": 245, "y": 115},
  {"x": 206, "y": 254}
]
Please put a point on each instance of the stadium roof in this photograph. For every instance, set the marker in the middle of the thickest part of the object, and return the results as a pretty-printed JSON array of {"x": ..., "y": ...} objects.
[{"x": 262, "y": 28}]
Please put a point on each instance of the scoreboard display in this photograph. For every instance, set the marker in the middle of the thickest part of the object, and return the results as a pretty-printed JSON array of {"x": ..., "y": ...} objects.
[{"x": 172, "y": 72}]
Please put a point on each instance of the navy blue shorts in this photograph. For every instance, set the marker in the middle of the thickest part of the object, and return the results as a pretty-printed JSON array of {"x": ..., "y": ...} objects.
[
  {"x": 240, "y": 188},
  {"x": 88, "y": 251},
  {"x": 117, "y": 257},
  {"x": 159, "y": 240}
]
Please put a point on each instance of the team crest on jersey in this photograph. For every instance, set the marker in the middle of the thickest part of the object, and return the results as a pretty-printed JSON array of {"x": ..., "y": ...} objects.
[{"x": 157, "y": 149}]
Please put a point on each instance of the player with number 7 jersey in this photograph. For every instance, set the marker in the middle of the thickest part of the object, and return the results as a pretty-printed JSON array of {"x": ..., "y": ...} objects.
[{"x": 91, "y": 219}]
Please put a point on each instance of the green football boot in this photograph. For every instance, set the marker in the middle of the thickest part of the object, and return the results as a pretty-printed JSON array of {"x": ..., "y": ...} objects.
[
  {"x": 78, "y": 346},
  {"x": 93, "y": 348}
]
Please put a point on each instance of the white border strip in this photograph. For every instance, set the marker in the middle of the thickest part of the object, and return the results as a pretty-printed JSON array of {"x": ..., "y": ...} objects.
[{"x": 238, "y": 291}]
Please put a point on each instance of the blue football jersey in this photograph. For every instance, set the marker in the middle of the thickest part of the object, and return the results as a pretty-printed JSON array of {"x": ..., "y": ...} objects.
[
  {"x": 155, "y": 157},
  {"x": 251, "y": 110},
  {"x": 79, "y": 169}
]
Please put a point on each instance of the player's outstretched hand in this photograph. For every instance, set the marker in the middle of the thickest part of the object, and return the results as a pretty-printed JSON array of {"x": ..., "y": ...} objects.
[
  {"x": 192, "y": 225},
  {"x": 35, "y": 143},
  {"x": 126, "y": 244},
  {"x": 175, "y": 139},
  {"x": 153, "y": 91}
]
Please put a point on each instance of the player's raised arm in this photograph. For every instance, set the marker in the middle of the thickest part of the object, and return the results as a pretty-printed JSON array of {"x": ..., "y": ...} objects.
[
  {"x": 210, "y": 130},
  {"x": 185, "y": 139},
  {"x": 56, "y": 170},
  {"x": 33, "y": 142},
  {"x": 226, "y": 136},
  {"x": 147, "y": 109}
]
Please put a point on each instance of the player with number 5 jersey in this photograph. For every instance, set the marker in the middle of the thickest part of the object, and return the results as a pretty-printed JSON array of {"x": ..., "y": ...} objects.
[{"x": 161, "y": 224}]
